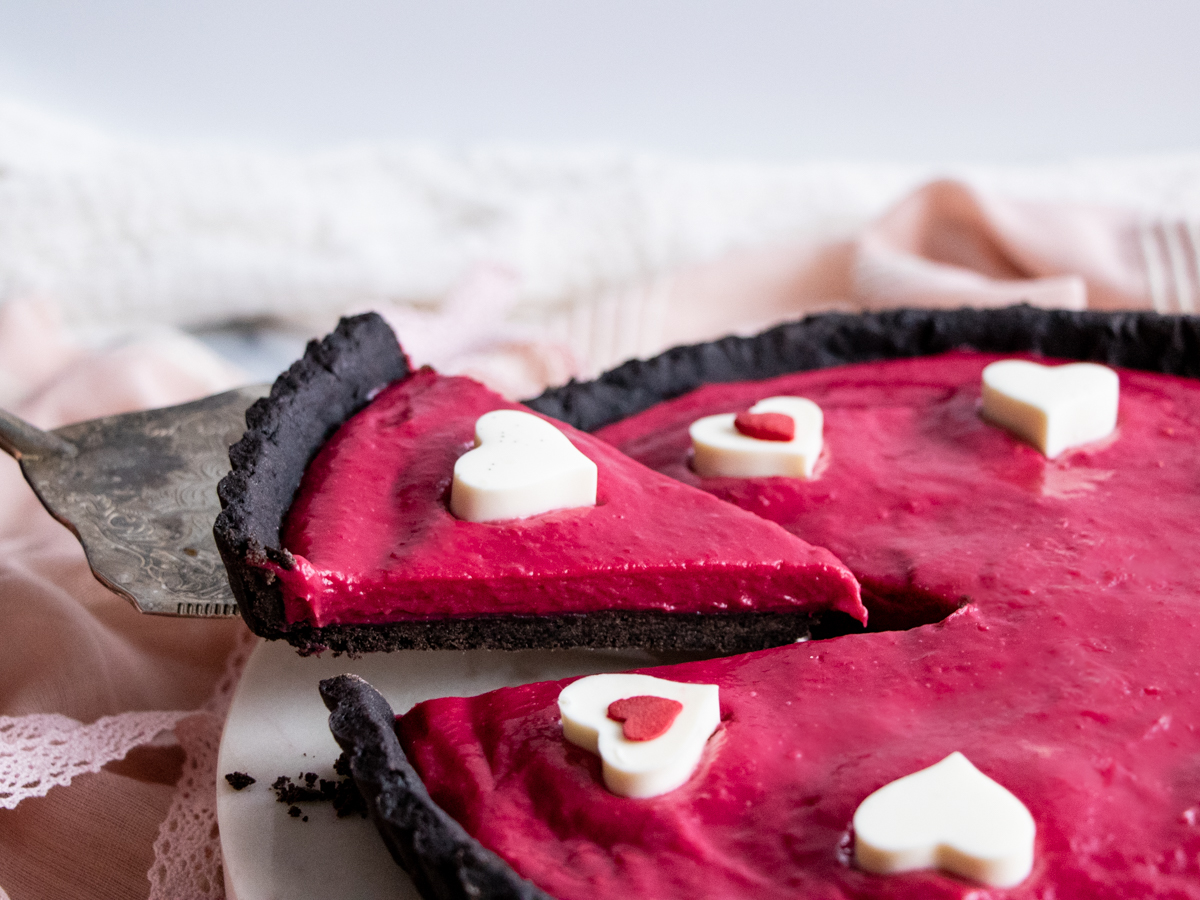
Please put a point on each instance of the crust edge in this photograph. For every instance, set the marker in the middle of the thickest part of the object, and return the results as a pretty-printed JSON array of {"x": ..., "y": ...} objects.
[
  {"x": 437, "y": 853},
  {"x": 335, "y": 378}
]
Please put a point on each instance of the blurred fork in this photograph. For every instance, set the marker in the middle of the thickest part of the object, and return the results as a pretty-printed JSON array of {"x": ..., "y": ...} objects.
[
  {"x": 1171, "y": 252},
  {"x": 139, "y": 490}
]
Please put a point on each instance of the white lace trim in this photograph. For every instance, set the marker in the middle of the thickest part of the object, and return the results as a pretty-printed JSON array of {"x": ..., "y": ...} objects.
[
  {"x": 187, "y": 852},
  {"x": 42, "y": 751}
]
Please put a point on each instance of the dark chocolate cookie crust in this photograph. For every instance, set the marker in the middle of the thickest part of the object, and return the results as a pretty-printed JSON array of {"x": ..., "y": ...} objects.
[
  {"x": 1133, "y": 340},
  {"x": 725, "y": 634},
  {"x": 338, "y": 376},
  {"x": 335, "y": 379},
  {"x": 440, "y": 857}
]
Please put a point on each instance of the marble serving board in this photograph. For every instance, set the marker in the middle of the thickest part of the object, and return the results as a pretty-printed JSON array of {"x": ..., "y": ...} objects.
[{"x": 277, "y": 725}]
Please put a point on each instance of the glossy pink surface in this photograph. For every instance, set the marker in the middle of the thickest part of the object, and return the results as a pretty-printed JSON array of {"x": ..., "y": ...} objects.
[
  {"x": 374, "y": 540},
  {"x": 1069, "y": 676}
]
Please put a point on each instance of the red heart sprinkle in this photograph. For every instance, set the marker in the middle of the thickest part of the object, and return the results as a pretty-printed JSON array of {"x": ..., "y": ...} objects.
[
  {"x": 767, "y": 426},
  {"x": 645, "y": 717}
]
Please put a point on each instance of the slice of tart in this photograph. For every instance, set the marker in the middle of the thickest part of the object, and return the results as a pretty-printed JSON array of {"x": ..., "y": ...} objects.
[{"x": 369, "y": 555}]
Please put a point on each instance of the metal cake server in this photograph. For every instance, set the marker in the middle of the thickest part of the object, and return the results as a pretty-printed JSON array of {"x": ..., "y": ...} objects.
[{"x": 139, "y": 490}]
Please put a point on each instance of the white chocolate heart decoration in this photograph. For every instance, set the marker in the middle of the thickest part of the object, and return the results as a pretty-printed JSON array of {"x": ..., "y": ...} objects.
[
  {"x": 521, "y": 466},
  {"x": 720, "y": 450},
  {"x": 639, "y": 768},
  {"x": 1052, "y": 407},
  {"x": 950, "y": 816}
]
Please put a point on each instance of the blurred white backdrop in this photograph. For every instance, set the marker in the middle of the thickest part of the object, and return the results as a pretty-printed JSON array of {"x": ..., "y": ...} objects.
[
  {"x": 196, "y": 164},
  {"x": 932, "y": 80}
]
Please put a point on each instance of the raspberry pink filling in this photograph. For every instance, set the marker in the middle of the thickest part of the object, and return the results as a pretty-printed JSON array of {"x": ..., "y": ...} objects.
[
  {"x": 1067, "y": 677},
  {"x": 374, "y": 540}
]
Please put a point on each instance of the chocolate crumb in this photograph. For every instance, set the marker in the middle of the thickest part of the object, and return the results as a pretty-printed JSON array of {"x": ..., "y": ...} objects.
[
  {"x": 239, "y": 780},
  {"x": 341, "y": 792},
  {"x": 287, "y": 791}
]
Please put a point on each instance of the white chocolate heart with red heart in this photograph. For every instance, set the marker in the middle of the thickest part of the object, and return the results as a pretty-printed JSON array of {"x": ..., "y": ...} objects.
[
  {"x": 951, "y": 817},
  {"x": 639, "y": 768},
  {"x": 1052, "y": 407},
  {"x": 521, "y": 466},
  {"x": 719, "y": 450}
]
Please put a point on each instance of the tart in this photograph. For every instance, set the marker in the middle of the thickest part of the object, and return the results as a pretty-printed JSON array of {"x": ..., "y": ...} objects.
[
  {"x": 369, "y": 555},
  {"x": 1066, "y": 595}
]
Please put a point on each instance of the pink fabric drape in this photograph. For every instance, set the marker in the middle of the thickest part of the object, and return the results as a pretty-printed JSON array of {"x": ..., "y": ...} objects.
[
  {"x": 945, "y": 245},
  {"x": 73, "y": 650}
]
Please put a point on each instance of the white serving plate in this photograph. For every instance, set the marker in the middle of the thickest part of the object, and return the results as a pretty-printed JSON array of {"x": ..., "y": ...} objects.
[{"x": 278, "y": 725}]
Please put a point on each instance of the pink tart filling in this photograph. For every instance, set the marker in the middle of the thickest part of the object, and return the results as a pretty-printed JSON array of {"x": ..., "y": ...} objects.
[
  {"x": 1067, "y": 676},
  {"x": 374, "y": 541}
]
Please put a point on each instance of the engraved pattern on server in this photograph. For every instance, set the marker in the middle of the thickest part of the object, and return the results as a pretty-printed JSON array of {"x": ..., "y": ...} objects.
[{"x": 140, "y": 494}]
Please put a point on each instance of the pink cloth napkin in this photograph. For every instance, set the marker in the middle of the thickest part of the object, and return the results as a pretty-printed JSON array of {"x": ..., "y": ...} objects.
[
  {"x": 74, "y": 651},
  {"x": 945, "y": 246},
  {"x": 81, "y": 668}
]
